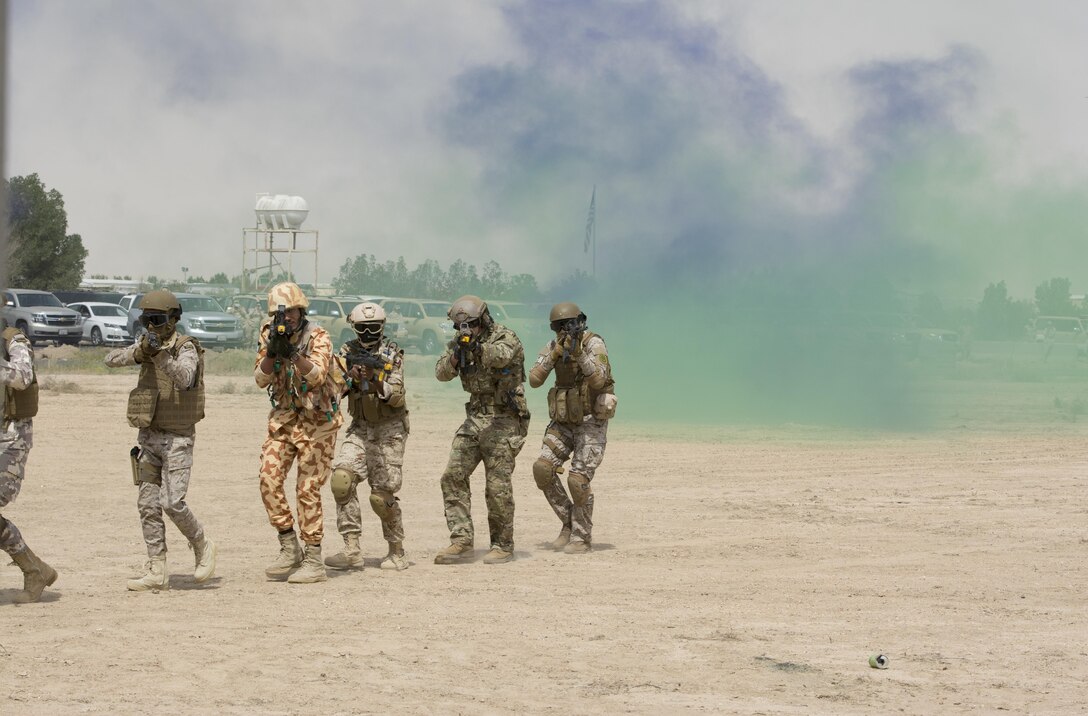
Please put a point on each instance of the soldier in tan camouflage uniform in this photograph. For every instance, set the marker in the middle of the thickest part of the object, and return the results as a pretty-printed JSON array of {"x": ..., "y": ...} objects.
[
  {"x": 490, "y": 360},
  {"x": 373, "y": 448},
  {"x": 166, "y": 405},
  {"x": 580, "y": 406},
  {"x": 295, "y": 364},
  {"x": 20, "y": 405}
]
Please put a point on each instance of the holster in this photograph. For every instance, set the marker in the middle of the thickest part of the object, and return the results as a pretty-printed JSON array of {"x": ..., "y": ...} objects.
[{"x": 134, "y": 459}]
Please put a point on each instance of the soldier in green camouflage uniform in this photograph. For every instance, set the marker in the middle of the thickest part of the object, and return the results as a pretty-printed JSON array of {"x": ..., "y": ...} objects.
[
  {"x": 166, "y": 405},
  {"x": 20, "y": 405},
  {"x": 373, "y": 448},
  {"x": 489, "y": 359},
  {"x": 580, "y": 405}
]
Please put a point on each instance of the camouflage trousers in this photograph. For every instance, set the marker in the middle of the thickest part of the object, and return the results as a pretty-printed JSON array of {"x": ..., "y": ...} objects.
[
  {"x": 166, "y": 463},
  {"x": 584, "y": 444},
  {"x": 16, "y": 440},
  {"x": 375, "y": 453},
  {"x": 495, "y": 441},
  {"x": 312, "y": 444}
]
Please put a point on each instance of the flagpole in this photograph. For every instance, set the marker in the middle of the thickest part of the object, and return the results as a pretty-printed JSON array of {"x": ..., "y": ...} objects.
[{"x": 594, "y": 233}]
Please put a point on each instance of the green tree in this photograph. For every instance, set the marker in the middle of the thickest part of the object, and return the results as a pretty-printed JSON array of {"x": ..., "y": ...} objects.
[
  {"x": 999, "y": 317},
  {"x": 42, "y": 254},
  {"x": 1052, "y": 298},
  {"x": 219, "y": 278}
]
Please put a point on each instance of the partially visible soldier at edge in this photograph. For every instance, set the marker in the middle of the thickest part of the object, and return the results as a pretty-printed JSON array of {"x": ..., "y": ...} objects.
[
  {"x": 580, "y": 404},
  {"x": 373, "y": 448},
  {"x": 490, "y": 361},
  {"x": 295, "y": 364},
  {"x": 165, "y": 405},
  {"x": 20, "y": 405}
]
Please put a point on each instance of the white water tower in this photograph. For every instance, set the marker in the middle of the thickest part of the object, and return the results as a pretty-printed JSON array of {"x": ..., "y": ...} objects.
[{"x": 269, "y": 248}]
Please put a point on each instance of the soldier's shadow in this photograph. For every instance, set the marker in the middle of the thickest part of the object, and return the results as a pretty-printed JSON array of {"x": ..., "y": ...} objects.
[
  {"x": 597, "y": 547},
  {"x": 186, "y": 584},
  {"x": 7, "y": 596}
]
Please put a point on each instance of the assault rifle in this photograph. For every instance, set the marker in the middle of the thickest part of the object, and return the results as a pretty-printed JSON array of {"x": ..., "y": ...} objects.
[
  {"x": 366, "y": 359},
  {"x": 279, "y": 341},
  {"x": 465, "y": 347},
  {"x": 573, "y": 328}
]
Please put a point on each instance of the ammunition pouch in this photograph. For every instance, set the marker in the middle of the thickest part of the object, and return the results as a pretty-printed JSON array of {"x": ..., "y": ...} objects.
[
  {"x": 568, "y": 405},
  {"x": 604, "y": 407}
]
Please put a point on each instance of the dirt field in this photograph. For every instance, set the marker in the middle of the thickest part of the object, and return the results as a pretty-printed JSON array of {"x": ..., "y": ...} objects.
[{"x": 744, "y": 571}]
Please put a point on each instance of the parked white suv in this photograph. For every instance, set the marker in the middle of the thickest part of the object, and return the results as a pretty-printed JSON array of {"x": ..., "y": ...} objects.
[{"x": 42, "y": 317}]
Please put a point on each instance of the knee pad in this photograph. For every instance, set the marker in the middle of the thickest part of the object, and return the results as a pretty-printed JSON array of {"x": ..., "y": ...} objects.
[
  {"x": 382, "y": 503},
  {"x": 150, "y": 473},
  {"x": 543, "y": 473},
  {"x": 341, "y": 483},
  {"x": 580, "y": 491}
]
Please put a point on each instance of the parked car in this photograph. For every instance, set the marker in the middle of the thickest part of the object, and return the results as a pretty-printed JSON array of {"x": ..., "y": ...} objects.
[
  {"x": 103, "y": 323},
  {"x": 201, "y": 317},
  {"x": 41, "y": 316},
  {"x": 1058, "y": 329},
  {"x": 528, "y": 320},
  {"x": 421, "y": 323}
]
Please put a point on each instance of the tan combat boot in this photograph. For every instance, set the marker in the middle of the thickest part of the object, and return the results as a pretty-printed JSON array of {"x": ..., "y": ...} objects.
[
  {"x": 498, "y": 555},
  {"x": 155, "y": 579},
  {"x": 350, "y": 558},
  {"x": 578, "y": 547},
  {"x": 205, "y": 554},
  {"x": 562, "y": 540},
  {"x": 454, "y": 554},
  {"x": 312, "y": 569},
  {"x": 289, "y": 558},
  {"x": 395, "y": 559},
  {"x": 37, "y": 575}
]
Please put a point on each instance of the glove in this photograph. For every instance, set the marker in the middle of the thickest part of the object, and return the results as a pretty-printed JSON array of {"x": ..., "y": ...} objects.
[
  {"x": 11, "y": 332},
  {"x": 557, "y": 352},
  {"x": 147, "y": 348},
  {"x": 154, "y": 342},
  {"x": 279, "y": 346}
]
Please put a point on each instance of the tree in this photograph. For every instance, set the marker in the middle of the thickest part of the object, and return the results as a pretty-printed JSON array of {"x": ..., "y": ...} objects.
[
  {"x": 999, "y": 317},
  {"x": 42, "y": 255},
  {"x": 219, "y": 278},
  {"x": 1052, "y": 298}
]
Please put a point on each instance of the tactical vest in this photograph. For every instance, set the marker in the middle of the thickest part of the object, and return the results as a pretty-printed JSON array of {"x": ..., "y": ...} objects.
[
  {"x": 572, "y": 398},
  {"x": 498, "y": 390},
  {"x": 293, "y": 392},
  {"x": 22, "y": 404},
  {"x": 157, "y": 403},
  {"x": 366, "y": 406}
]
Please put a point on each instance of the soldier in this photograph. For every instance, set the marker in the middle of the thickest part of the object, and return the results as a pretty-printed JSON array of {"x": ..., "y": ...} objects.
[
  {"x": 20, "y": 405},
  {"x": 490, "y": 361},
  {"x": 295, "y": 364},
  {"x": 373, "y": 448},
  {"x": 166, "y": 405},
  {"x": 579, "y": 406}
]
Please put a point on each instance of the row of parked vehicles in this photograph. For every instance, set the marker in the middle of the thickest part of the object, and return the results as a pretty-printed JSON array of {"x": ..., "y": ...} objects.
[{"x": 421, "y": 324}]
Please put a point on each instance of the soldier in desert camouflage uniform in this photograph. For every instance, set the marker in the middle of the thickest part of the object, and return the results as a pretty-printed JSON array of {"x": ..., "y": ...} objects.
[
  {"x": 490, "y": 360},
  {"x": 166, "y": 405},
  {"x": 295, "y": 364},
  {"x": 20, "y": 405},
  {"x": 580, "y": 406},
  {"x": 373, "y": 448}
]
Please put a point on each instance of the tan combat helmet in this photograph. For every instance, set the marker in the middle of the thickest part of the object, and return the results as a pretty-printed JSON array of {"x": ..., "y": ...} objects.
[
  {"x": 368, "y": 322},
  {"x": 468, "y": 309},
  {"x": 288, "y": 295},
  {"x": 564, "y": 312},
  {"x": 160, "y": 300}
]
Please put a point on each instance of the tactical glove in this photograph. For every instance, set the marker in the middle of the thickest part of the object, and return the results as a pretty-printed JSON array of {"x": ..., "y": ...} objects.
[
  {"x": 279, "y": 346},
  {"x": 9, "y": 333},
  {"x": 154, "y": 342}
]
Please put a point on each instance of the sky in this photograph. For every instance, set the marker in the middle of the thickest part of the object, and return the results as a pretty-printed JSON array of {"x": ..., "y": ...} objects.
[{"x": 945, "y": 140}]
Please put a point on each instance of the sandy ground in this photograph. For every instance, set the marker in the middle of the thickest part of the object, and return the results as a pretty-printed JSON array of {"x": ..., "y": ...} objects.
[{"x": 745, "y": 571}]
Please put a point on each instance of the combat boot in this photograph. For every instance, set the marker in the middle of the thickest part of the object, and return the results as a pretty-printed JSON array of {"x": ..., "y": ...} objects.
[
  {"x": 562, "y": 540},
  {"x": 204, "y": 553},
  {"x": 395, "y": 559},
  {"x": 454, "y": 554},
  {"x": 312, "y": 569},
  {"x": 498, "y": 555},
  {"x": 350, "y": 558},
  {"x": 155, "y": 579},
  {"x": 578, "y": 547},
  {"x": 37, "y": 575},
  {"x": 289, "y": 558}
]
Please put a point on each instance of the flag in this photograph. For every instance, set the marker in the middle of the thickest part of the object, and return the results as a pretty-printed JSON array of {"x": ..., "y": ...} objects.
[{"x": 591, "y": 220}]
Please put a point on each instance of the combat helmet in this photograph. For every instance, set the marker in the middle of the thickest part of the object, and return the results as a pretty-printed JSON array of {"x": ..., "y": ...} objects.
[
  {"x": 160, "y": 300},
  {"x": 368, "y": 322},
  {"x": 563, "y": 313},
  {"x": 288, "y": 295},
  {"x": 469, "y": 309}
]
